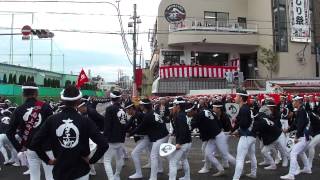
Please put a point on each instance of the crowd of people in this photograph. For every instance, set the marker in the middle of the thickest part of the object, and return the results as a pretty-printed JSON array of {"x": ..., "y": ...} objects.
[{"x": 69, "y": 137}]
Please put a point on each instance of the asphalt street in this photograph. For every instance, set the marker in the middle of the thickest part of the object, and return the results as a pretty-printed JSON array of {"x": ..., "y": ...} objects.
[{"x": 195, "y": 160}]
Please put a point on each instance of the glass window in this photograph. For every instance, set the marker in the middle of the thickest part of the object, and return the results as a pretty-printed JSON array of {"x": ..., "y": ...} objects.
[
  {"x": 171, "y": 57},
  {"x": 212, "y": 18},
  {"x": 280, "y": 26},
  {"x": 222, "y": 18}
]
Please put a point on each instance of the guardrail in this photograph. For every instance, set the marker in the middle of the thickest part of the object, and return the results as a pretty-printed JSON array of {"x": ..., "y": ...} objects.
[{"x": 255, "y": 84}]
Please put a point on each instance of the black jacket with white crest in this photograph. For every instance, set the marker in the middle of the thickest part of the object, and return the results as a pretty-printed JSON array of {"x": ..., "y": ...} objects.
[{"x": 68, "y": 133}]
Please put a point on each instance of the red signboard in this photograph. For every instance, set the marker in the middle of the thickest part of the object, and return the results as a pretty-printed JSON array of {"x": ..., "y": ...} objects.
[{"x": 138, "y": 79}]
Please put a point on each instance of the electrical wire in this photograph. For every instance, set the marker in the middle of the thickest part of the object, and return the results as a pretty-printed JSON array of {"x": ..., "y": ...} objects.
[
  {"x": 126, "y": 47},
  {"x": 103, "y": 2},
  {"x": 124, "y": 41},
  {"x": 203, "y": 33}
]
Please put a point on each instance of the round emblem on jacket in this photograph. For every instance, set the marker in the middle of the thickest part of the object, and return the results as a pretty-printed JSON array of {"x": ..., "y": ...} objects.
[
  {"x": 5, "y": 120},
  {"x": 208, "y": 114},
  {"x": 157, "y": 118},
  {"x": 26, "y": 117},
  {"x": 122, "y": 116},
  {"x": 68, "y": 134}
]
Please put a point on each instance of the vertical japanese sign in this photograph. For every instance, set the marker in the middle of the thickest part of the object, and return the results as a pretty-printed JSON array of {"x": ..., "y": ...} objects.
[{"x": 300, "y": 21}]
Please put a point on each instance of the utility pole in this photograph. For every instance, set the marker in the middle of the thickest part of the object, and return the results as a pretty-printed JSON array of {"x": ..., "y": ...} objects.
[
  {"x": 63, "y": 63},
  {"x": 31, "y": 43},
  {"x": 11, "y": 39},
  {"x": 140, "y": 58},
  {"x": 134, "y": 88},
  {"x": 51, "y": 51}
]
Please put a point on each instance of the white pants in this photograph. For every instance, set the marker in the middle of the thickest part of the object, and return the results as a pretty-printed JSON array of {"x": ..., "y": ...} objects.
[
  {"x": 314, "y": 142},
  {"x": 206, "y": 160},
  {"x": 221, "y": 141},
  {"x": 246, "y": 145},
  {"x": 85, "y": 177},
  {"x": 225, "y": 162},
  {"x": 210, "y": 151},
  {"x": 136, "y": 153},
  {"x": 284, "y": 124},
  {"x": 175, "y": 158},
  {"x": 155, "y": 157},
  {"x": 4, "y": 142},
  {"x": 115, "y": 150},
  {"x": 35, "y": 164},
  {"x": 298, "y": 149},
  {"x": 279, "y": 144}
]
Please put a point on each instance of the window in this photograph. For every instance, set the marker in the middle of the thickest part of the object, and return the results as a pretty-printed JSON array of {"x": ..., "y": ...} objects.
[
  {"x": 212, "y": 18},
  {"x": 209, "y": 58},
  {"x": 171, "y": 57},
  {"x": 242, "y": 22},
  {"x": 280, "y": 26}
]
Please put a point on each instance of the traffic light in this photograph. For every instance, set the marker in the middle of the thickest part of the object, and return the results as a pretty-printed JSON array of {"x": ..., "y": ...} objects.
[{"x": 42, "y": 33}]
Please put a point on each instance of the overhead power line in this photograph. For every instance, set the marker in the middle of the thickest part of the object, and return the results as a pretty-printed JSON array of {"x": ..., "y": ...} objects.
[
  {"x": 126, "y": 47},
  {"x": 146, "y": 33}
]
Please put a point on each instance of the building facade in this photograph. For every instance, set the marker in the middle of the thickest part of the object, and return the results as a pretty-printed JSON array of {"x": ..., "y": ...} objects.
[
  {"x": 39, "y": 76},
  {"x": 195, "y": 42}
]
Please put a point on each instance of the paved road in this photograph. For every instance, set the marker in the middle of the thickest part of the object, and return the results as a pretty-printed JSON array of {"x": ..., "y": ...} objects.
[{"x": 15, "y": 173}]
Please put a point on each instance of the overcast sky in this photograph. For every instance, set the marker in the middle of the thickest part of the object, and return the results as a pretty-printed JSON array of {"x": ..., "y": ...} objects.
[{"x": 103, "y": 54}]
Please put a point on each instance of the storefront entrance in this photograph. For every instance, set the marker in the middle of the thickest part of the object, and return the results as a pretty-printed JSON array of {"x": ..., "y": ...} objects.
[{"x": 248, "y": 63}]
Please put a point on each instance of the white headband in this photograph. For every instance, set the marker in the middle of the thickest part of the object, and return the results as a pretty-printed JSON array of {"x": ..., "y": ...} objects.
[
  {"x": 242, "y": 94},
  {"x": 29, "y": 87},
  {"x": 62, "y": 106},
  {"x": 219, "y": 106},
  {"x": 271, "y": 105},
  {"x": 143, "y": 103},
  {"x": 189, "y": 110},
  {"x": 114, "y": 96},
  {"x": 70, "y": 98},
  {"x": 178, "y": 102},
  {"x": 5, "y": 110},
  {"x": 80, "y": 105},
  {"x": 129, "y": 106},
  {"x": 297, "y": 98}
]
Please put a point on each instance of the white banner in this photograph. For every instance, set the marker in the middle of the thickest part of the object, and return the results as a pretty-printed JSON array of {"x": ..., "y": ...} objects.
[
  {"x": 300, "y": 21},
  {"x": 232, "y": 109}
]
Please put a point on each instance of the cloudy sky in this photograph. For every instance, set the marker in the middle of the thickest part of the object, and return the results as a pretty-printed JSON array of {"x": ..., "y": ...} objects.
[{"x": 103, "y": 54}]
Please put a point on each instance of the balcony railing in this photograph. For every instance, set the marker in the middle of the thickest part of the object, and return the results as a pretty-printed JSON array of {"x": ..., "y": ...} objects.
[
  {"x": 204, "y": 25},
  {"x": 185, "y": 71}
]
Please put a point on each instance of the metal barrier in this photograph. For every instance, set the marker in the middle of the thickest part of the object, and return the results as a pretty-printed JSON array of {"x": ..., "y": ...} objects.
[{"x": 255, "y": 84}]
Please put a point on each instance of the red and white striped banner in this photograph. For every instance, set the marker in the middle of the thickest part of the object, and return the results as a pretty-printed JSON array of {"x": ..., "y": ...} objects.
[
  {"x": 195, "y": 71},
  {"x": 235, "y": 63}
]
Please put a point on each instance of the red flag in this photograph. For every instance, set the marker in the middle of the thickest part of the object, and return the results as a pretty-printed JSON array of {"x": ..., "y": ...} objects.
[{"x": 82, "y": 79}]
